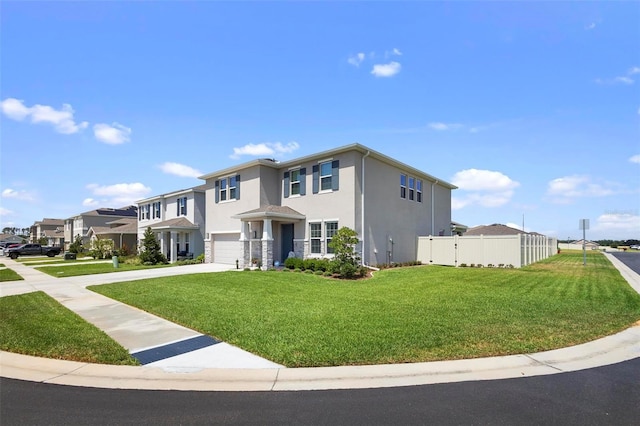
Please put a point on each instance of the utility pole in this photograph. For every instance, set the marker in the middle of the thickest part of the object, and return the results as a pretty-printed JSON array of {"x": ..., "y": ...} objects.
[{"x": 584, "y": 225}]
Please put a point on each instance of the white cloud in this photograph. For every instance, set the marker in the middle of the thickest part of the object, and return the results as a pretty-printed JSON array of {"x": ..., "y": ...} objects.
[
  {"x": 5, "y": 212},
  {"x": 565, "y": 189},
  {"x": 264, "y": 149},
  {"x": 118, "y": 195},
  {"x": 18, "y": 195},
  {"x": 356, "y": 59},
  {"x": 113, "y": 134},
  {"x": 635, "y": 159},
  {"x": 397, "y": 52},
  {"x": 590, "y": 26},
  {"x": 181, "y": 170},
  {"x": 386, "y": 70},
  {"x": 62, "y": 119},
  {"x": 90, "y": 202},
  {"x": 624, "y": 225},
  {"x": 485, "y": 188},
  {"x": 444, "y": 126},
  {"x": 622, "y": 79}
]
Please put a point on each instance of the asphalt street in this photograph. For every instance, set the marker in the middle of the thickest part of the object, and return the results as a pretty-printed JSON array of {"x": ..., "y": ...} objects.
[{"x": 601, "y": 396}]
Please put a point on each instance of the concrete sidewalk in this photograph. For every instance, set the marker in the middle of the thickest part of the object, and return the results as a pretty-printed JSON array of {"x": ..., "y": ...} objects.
[{"x": 221, "y": 367}]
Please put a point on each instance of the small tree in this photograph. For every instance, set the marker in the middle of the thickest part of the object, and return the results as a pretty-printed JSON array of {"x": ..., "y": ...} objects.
[
  {"x": 101, "y": 248},
  {"x": 76, "y": 245},
  {"x": 151, "y": 253},
  {"x": 345, "y": 260},
  {"x": 43, "y": 241}
]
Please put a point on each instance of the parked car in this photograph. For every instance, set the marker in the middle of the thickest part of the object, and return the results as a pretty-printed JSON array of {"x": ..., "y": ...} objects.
[{"x": 31, "y": 249}]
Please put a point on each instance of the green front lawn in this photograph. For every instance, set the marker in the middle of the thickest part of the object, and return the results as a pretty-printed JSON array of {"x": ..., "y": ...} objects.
[
  {"x": 35, "y": 324},
  {"x": 80, "y": 268},
  {"x": 9, "y": 275},
  {"x": 401, "y": 315}
]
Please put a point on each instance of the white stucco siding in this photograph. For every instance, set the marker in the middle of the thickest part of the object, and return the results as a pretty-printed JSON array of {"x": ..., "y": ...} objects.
[
  {"x": 326, "y": 205},
  {"x": 393, "y": 223}
]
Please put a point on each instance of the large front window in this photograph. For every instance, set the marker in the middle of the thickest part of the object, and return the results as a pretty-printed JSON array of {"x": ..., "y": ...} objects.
[
  {"x": 330, "y": 230},
  {"x": 316, "y": 237}
]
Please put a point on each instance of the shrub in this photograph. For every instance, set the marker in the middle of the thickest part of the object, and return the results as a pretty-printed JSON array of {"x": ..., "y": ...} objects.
[
  {"x": 200, "y": 258},
  {"x": 309, "y": 264},
  {"x": 319, "y": 272},
  {"x": 294, "y": 263},
  {"x": 76, "y": 245}
]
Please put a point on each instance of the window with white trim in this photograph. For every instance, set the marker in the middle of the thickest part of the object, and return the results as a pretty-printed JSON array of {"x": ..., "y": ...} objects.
[
  {"x": 315, "y": 233},
  {"x": 182, "y": 206},
  {"x": 330, "y": 230},
  {"x": 156, "y": 210},
  {"x": 419, "y": 190},
  {"x": 326, "y": 173},
  {"x": 403, "y": 186},
  {"x": 228, "y": 189},
  {"x": 145, "y": 212},
  {"x": 295, "y": 182},
  {"x": 412, "y": 188}
]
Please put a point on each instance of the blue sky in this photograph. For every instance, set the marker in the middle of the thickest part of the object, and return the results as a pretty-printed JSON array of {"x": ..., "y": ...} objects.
[{"x": 532, "y": 109}]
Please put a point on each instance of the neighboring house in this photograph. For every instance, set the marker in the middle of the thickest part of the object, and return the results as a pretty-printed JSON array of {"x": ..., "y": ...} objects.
[
  {"x": 11, "y": 239},
  {"x": 123, "y": 232},
  {"x": 577, "y": 245},
  {"x": 178, "y": 221},
  {"x": 80, "y": 224},
  {"x": 458, "y": 228},
  {"x": 264, "y": 210},
  {"x": 495, "y": 229},
  {"x": 51, "y": 229}
]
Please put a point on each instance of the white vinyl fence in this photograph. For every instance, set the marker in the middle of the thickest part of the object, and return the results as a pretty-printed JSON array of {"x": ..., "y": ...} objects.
[{"x": 486, "y": 250}]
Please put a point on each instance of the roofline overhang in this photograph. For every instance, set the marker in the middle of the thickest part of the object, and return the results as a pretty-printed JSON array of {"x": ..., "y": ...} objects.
[
  {"x": 268, "y": 215},
  {"x": 329, "y": 153}
]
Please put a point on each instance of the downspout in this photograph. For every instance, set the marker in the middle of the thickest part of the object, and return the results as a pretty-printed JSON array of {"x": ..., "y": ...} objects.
[
  {"x": 433, "y": 210},
  {"x": 362, "y": 208}
]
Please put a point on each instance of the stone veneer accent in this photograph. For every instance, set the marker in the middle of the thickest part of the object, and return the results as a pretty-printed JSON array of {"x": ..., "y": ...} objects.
[{"x": 208, "y": 256}]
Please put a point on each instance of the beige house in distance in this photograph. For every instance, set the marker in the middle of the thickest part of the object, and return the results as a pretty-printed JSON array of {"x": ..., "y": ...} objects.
[
  {"x": 265, "y": 210},
  {"x": 51, "y": 229},
  {"x": 81, "y": 223}
]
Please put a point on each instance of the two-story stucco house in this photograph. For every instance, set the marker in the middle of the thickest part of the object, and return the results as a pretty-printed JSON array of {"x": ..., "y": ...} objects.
[
  {"x": 51, "y": 229},
  {"x": 264, "y": 210},
  {"x": 178, "y": 221},
  {"x": 83, "y": 222}
]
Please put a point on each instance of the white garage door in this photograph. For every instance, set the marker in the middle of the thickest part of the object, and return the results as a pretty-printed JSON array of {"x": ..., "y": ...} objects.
[{"x": 227, "y": 249}]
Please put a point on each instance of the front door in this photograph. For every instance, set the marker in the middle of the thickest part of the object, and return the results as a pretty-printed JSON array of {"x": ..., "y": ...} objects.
[{"x": 286, "y": 230}]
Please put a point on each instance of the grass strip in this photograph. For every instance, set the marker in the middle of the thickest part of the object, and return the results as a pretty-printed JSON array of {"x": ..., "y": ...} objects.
[
  {"x": 35, "y": 324},
  {"x": 92, "y": 268},
  {"x": 9, "y": 275},
  {"x": 401, "y": 315}
]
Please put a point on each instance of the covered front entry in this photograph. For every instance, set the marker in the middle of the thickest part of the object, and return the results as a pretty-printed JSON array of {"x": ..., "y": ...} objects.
[
  {"x": 267, "y": 235},
  {"x": 287, "y": 236},
  {"x": 179, "y": 238}
]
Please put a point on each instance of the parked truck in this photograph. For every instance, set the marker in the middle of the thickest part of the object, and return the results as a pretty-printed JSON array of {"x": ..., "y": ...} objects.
[{"x": 31, "y": 249}]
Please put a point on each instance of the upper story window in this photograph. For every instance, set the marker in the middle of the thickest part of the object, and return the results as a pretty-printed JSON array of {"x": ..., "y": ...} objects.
[
  {"x": 182, "y": 206},
  {"x": 156, "y": 210},
  {"x": 144, "y": 212},
  {"x": 228, "y": 188},
  {"x": 403, "y": 186},
  {"x": 418, "y": 190},
  {"x": 326, "y": 176},
  {"x": 412, "y": 188},
  {"x": 295, "y": 182}
]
